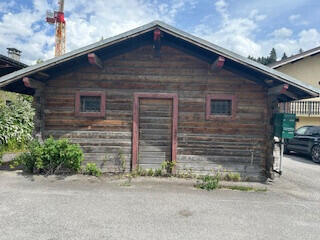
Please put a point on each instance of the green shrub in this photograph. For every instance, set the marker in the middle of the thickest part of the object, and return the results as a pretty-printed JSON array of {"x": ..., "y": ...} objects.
[
  {"x": 208, "y": 182},
  {"x": 16, "y": 121},
  {"x": 51, "y": 156},
  {"x": 92, "y": 169}
]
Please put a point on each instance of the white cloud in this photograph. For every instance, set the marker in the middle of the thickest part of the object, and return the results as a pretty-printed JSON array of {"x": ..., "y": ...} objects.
[
  {"x": 239, "y": 34},
  {"x": 254, "y": 14},
  {"x": 309, "y": 38},
  {"x": 235, "y": 34},
  {"x": 294, "y": 17},
  {"x": 282, "y": 33},
  {"x": 86, "y": 23}
]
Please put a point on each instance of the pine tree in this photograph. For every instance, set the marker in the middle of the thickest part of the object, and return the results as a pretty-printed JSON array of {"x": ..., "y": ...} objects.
[
  {"x": 284, "y": 56},
  {"x": 273, "y": 56},
  {"x": 300, "y": 50}
]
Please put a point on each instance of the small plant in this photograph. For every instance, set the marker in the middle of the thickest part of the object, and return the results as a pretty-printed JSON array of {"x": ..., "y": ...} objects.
[
  {"x": 120, "y": 160},
  {"x": 127, "y": 183},
  {"x": 168, "y": 166},
  {"x": 208, "y": 182},
  {"x": 139, "y": 171},
  {"x": 150, "y": 172},
  {"x": 235, "y": 177},
  {"x": 92, "y": 169},
  {"x": 157, "y": 172}
]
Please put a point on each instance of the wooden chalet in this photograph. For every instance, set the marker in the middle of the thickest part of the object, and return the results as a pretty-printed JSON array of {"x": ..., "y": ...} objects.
[{"x": 156, "y": 93}]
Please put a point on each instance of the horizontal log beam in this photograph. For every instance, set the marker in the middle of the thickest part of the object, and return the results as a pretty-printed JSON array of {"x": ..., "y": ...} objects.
[
  {"x": 218, "y": 64},
  {"x": 31, "y": 83},
  {"x": 95, "y": 60}
]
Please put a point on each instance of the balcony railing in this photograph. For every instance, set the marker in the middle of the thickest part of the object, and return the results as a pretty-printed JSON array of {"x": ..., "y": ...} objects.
[{"x": 307, "y": 108}]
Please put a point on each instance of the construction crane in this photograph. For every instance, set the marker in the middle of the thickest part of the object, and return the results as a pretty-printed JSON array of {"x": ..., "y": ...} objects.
[{"x": 57, "y": 18}]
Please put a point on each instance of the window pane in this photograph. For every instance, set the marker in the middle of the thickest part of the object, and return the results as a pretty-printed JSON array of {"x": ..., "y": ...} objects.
[
  {"x": 221, "y": 107},
  {"x": 302, "y": 131},
  {"x": 90, "y": 103}
]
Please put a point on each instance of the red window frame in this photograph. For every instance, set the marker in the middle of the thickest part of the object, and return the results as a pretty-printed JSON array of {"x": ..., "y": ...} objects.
[
  {"x": 210, "y": 97},
  {"x": 102, "y": 112}
]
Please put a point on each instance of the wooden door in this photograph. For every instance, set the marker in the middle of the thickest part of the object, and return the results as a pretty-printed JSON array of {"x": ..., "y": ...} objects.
[{"x": 155, "y": 132}]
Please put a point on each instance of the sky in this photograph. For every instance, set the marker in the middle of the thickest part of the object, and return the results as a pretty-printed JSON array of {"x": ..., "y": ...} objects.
[{"x": 247, "y": 27}]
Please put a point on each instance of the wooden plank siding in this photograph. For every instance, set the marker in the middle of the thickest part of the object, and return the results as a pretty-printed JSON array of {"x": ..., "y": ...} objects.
[
  {"x": 235, "y": 145},
  {"x": 155, "y": 115}
]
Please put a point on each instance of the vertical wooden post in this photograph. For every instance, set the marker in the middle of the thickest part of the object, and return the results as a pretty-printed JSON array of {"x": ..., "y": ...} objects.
[
  {"x": 272, "y": 107},
  {"x": 38, "y": 104}
]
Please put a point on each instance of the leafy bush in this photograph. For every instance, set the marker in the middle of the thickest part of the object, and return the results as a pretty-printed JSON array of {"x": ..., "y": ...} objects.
[
  {"x": 208, "y": 182},
  {"x": 51, "y": 156},
  {"x": 16, "y": 121},
  {"x": 92, "y": 169}
]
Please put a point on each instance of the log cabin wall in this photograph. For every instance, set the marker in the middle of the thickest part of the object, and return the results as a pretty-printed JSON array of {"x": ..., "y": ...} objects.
[{"x": 236, "y": 145}]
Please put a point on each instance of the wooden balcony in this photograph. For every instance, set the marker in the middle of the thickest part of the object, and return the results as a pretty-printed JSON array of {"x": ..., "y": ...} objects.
[{"x": 301, "y": 108}]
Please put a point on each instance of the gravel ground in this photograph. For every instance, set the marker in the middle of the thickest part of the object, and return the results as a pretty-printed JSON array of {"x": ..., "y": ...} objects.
[{"x": 81, "y": 207}]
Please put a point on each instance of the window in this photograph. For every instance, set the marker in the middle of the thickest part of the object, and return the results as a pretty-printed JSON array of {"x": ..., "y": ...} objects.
[
  {"x": 220, "y": 106},
  {"x": 90, "y": 104},
  {"x": 309, "y": 131},
  {"x": 302, "y": 131}
]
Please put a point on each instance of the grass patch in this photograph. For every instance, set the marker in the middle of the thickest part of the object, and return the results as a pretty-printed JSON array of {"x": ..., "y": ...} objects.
[{"x": 244, "y": 188}]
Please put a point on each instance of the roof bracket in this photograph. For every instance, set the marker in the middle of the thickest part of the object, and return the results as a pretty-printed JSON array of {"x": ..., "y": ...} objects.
[
  {"x": 282, "y": 89},
  {"x": 278, "y": 90},
  {"x": 31, "y": 83},
  {"x": 217, "y": 65},
  {"x": 157, "y": 42},
  {"x": 95, "y": 60}
]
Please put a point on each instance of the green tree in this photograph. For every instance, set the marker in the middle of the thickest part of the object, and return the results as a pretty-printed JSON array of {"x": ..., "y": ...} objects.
[
  {"x": 284, "y": 56},
  {"x": 39, "y": 60},
  {"x": 300, "y": 50},
  {"x": 273, "y": 56}
]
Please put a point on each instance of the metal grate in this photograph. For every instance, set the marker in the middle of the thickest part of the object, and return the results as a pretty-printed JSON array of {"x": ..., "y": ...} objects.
[
  {"x": 90, "y": 103},
  {"x": 221, "y": 107}
]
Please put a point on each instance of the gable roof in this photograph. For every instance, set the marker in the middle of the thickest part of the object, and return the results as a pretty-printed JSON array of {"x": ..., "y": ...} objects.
[
  {"x": 296, "y": 57},
  {"x": 208, "y": 50},
  {"x": 8, "y": 65}
]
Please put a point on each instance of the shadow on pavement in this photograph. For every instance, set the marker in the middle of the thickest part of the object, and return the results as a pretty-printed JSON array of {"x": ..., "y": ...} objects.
[{"x": 303, "y": 158}]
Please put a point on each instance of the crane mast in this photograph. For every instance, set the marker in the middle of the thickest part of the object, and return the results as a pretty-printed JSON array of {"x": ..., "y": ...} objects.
[{"x": 57, "y": 18}]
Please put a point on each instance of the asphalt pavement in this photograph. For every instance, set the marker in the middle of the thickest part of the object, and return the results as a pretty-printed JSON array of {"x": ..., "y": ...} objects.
[{"x": 82, "y": 207}]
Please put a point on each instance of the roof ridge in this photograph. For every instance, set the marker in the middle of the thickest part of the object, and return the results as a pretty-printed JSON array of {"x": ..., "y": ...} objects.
[{"x": 295, "y": 57}]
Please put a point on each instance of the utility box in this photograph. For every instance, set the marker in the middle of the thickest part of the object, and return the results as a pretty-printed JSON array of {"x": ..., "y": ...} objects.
[{"x": 284, "y": 125}]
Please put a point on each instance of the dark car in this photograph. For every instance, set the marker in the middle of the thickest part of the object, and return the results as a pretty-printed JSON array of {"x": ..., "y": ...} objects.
[{"x": 307, "y": 141}]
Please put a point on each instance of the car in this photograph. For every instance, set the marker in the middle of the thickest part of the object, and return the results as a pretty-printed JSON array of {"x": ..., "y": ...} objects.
[{"x": 306, "y": 140}]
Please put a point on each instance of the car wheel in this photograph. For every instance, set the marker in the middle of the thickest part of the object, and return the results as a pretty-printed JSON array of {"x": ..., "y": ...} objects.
[{"x": 315, "y": 153}]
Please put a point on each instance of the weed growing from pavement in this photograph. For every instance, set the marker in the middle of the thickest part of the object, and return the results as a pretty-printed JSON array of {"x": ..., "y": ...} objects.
[
  {"x": 244, "y": 188},
  {"x": 208, "y": 182},
  {"x": 92, "y": 169}
]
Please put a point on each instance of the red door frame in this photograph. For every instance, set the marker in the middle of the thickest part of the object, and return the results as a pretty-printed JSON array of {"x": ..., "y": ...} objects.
[{"x": 135, "y": 124}]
